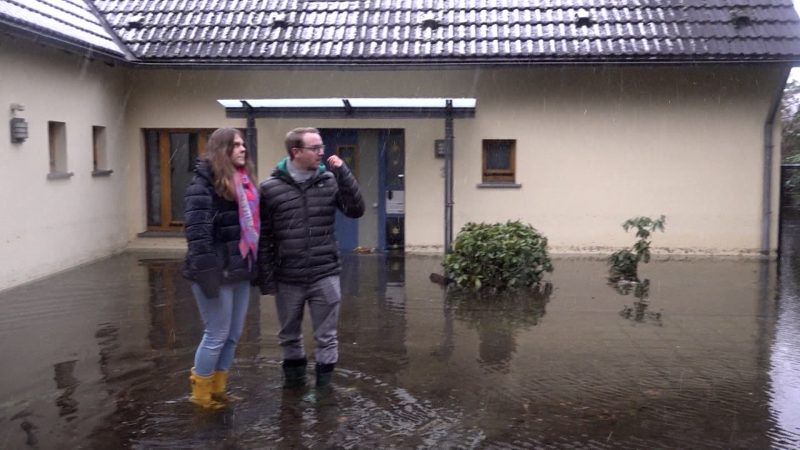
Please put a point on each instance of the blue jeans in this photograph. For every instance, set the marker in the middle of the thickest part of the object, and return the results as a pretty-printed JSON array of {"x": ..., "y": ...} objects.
[{"x": 223, "y": 319}]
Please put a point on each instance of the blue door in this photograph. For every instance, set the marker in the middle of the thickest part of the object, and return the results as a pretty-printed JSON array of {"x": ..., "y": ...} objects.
[{"x": 344, "y": 143}]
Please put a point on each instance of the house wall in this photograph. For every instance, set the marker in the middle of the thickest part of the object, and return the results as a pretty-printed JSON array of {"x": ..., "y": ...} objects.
[
  {"x": 50, "y": 225},
  {"x": 595, "y": 145},
  {"x": 368, "y": 182}
]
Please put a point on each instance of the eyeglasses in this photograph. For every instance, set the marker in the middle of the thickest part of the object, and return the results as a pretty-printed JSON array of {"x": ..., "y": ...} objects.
[{"x": 314, "y": 148}]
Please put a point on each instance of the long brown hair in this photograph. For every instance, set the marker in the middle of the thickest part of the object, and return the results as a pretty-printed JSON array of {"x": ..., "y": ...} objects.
[{"x": 218, "y": 152}]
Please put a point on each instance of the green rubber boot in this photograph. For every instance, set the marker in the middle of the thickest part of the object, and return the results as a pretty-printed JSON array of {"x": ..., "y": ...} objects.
[
  {"x": 294, "y": 372},
  {"x": 324, "y": 374}
]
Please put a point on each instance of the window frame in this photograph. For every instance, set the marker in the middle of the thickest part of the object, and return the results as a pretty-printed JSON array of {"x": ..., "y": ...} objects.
[
  {"x": 161, "y": 150},
  {"x": 499, "y": 176},
  {"x": 57, "y": 150},
  {"x": 100, "y": 152}
]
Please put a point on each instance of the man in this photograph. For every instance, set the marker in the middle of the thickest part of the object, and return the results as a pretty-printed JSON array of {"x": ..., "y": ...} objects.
[{"x": 298, "y": 255}]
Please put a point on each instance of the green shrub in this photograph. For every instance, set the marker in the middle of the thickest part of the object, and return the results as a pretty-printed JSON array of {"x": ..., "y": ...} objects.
[
  {"x": 625, "y": 263},
  {"x": 497, "y": 256}
]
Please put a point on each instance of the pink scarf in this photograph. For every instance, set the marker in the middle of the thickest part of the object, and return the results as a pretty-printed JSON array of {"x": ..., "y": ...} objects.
[{"x": 247, "y": 197}]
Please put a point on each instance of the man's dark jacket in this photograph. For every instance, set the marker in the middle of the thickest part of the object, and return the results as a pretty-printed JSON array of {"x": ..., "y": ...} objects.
[
  {"x": 298, "y": 233},
  {"x": 212, "y": 236}
]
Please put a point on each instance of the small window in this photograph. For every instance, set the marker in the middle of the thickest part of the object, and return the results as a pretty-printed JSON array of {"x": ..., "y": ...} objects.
[
  {"x": 499, "y": 160},
  {"x": 349, "y": 154},
  {"x": 57, "y": 137},
  {"x": 99, "y": 155}
]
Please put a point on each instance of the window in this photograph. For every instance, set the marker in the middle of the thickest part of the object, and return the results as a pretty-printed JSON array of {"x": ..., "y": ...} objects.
[
  {"x": 99, "y": 155},
  {"x": 499, "y": 161},
  {"x": 57, "y": 140},
  {"x": 170, "y": 156},
  {"x": 349, "y": 154}
]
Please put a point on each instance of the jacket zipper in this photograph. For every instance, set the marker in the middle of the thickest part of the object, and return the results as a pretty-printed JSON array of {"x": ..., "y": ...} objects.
[
  {"x": 308, "y": 227},
  {"x": 305, "y": 215}
]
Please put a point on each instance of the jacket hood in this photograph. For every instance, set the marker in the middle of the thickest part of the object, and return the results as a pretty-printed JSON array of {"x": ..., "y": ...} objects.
[
  {"x": 282, "y": 170},
  {"x": 202, "y": 167}
]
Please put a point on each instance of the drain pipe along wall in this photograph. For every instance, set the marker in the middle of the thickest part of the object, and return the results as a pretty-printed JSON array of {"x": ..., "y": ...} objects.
[{"x": 769, "y": 144}]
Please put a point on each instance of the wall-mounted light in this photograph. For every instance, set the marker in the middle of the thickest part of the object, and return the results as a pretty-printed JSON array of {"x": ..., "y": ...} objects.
[{"x": 19, "y": 127}]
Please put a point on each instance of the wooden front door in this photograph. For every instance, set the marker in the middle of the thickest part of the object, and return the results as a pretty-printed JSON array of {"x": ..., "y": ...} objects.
[{"x": 170, "y": 160}]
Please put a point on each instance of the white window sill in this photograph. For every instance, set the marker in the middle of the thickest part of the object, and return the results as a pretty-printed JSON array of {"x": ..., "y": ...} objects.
[
  {"x": 102, "y": 172},
  {"x": 499, "y": 185},
  {"x": 59, "y": 175}
]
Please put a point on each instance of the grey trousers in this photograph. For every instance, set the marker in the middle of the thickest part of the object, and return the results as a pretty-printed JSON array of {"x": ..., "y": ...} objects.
[{"x": 323, "y": 299}]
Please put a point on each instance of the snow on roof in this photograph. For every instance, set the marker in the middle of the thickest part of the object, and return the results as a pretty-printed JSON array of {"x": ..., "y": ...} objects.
[
  {"x": 322, "y": 103},
  {"x": 454, "y": 31},
  {"x": 387, "y": 32},
  {"x": 70, "y": 21}
]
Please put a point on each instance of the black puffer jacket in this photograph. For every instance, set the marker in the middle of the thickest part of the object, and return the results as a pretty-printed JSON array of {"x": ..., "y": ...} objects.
[
  {"x": 212, "y": 235},
  {"x": 298, "y": 234}
]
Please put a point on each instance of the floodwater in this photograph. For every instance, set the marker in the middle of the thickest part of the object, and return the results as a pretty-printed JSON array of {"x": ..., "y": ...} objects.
[{"x": 707, "y": 357}]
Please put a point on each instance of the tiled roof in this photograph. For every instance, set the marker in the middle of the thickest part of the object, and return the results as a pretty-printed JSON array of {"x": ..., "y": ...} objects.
[
  {"x": 385, "y": 31},
  {"x": 69, "y": 21},
  {"x": 444, "y": 31}
]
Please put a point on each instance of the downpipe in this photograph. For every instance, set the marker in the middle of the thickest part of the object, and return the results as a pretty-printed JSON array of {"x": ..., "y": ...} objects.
[{"x": 769, "y": 145}]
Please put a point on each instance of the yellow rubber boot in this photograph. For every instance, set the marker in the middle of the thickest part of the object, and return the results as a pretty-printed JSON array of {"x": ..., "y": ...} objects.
[
  {"x": 218, "y": 383},
  {"x": 201, "y": 391},
  {"x": 218, "y": 388}
]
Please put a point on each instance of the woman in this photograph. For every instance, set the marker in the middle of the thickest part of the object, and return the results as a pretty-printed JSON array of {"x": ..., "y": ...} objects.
[{"x": 222, "y": 225}]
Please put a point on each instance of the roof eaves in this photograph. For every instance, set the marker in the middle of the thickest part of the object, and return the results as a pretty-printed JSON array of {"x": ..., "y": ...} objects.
[
  {"x": 38, "y": 34},
  {"x": 392, "y": 64}
]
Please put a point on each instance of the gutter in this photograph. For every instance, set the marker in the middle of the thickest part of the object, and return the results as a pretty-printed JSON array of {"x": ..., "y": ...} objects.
[
  {"x": 769, "y": 145},
  {"x": 428, "y": 63}
]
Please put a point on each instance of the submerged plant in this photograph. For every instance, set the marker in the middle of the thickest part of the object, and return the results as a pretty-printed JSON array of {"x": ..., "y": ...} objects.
[
  {"x": 497, "y": 256},
  {"x": 639, "y": 311},
  {"x": 625, "y": 263}
]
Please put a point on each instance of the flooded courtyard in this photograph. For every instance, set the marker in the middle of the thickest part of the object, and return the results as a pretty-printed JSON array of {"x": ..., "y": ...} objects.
[{"x": 707, "y": 357}]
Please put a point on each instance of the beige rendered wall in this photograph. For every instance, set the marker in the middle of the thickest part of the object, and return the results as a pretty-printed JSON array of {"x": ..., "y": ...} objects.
[
  {"x": 368, "y": 182},
  {"x": 595, "y": 146},
  {"x": 50, "y": 225},
  {"x": 598, "y": 146}
]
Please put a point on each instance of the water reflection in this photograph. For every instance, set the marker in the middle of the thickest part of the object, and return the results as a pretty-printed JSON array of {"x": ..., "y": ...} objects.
[
  {"x": 66, "y": 383},
  {"x": 168, "y": 301},
  {"x": 30, "y": 433},
  {"x": 393, "y": 280},
  {"x": 102, "y": 355},
  {"x": 291, "y": 418},
  {"x": 639, "y": 311},
  {"x": 498, "y": 318},
  {"x": 784, "y": 367},
  {"x": 373, "y": 322}
]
